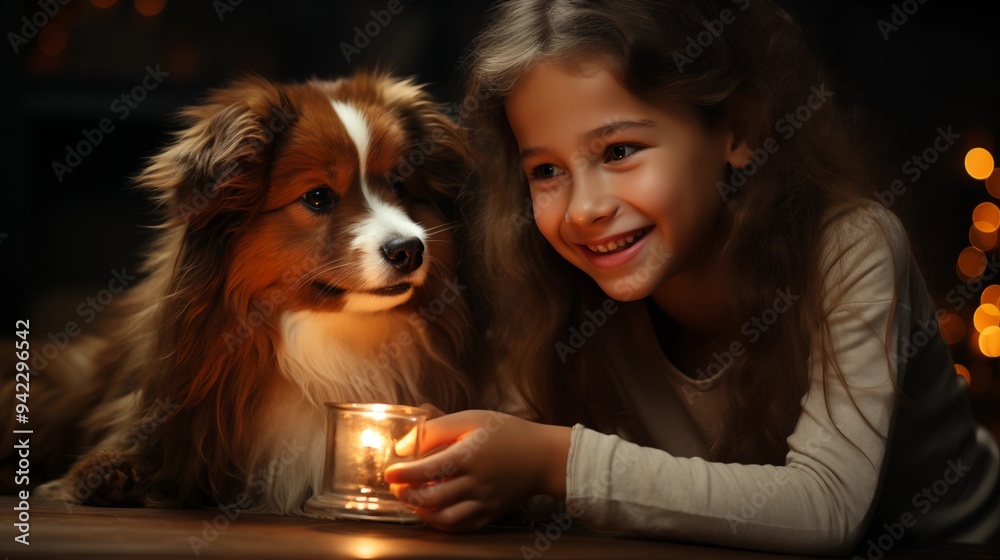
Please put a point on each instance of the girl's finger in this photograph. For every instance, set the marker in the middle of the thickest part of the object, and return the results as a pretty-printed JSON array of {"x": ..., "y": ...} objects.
[
  {"x": 436, "y": 495},
  {"x": 432, "y": 468},
  {"x": 463, "y": 516},
  {"x": 435, "y": 411},
  {"x": 443, "y": 430}
]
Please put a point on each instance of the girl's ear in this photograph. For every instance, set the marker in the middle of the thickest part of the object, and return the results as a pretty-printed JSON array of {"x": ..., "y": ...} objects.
[{"x": 737, "y": 152}]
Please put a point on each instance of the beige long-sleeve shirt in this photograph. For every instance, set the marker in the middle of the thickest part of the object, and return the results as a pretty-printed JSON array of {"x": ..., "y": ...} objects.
[{"x": 936, "y": 478}]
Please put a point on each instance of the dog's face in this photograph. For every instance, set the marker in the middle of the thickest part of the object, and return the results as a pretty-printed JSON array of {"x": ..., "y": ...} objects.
[{"x": 332, "y": 196}]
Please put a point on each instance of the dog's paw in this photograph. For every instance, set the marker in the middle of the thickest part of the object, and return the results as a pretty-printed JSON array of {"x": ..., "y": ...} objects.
[
  {"x": 54, "y": 490},
  {"x": 106, "y": 478}
]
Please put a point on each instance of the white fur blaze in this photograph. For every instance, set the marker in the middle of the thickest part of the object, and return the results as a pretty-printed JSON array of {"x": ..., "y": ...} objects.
[{"x": 384, "y": 222}]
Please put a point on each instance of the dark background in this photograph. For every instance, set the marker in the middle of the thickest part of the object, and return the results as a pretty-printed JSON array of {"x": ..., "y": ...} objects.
[{"x": 60, "y": 240}]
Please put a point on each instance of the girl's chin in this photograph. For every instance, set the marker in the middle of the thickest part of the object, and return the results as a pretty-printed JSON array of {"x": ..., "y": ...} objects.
[{"x": 619, "y": 291}]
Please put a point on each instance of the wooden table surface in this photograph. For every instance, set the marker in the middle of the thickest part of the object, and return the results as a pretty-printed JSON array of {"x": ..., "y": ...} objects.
[{"x": 58, "y": 531}]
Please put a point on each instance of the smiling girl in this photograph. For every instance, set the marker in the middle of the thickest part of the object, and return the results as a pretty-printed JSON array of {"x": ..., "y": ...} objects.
[{"x": 707, "y": 330}]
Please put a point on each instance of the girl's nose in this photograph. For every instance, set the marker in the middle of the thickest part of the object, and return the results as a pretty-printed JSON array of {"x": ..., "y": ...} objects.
[{"x": 591, "y": 202}]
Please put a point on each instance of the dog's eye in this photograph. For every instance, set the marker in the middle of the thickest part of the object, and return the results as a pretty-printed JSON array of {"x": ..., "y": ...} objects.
[{"x": 320, "y": 198}]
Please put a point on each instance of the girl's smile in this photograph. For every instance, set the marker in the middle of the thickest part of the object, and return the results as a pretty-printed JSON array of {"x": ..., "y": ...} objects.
[
  {"x": 615, "y": 250},
  {"x": 617, "y": 182}
]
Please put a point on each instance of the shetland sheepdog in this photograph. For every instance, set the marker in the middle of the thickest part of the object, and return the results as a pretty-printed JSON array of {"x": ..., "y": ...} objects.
[{"x": 307, "y": 255}]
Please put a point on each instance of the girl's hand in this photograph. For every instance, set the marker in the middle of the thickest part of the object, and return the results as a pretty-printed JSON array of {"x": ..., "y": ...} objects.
[{"x": 492, "y": 463}]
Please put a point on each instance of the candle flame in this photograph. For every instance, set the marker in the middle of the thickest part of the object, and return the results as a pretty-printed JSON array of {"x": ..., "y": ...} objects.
[{"x": 371, "y": 438}]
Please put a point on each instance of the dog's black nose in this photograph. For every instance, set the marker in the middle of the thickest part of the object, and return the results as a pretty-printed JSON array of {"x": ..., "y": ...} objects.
[{"x": 405, "y": 254}]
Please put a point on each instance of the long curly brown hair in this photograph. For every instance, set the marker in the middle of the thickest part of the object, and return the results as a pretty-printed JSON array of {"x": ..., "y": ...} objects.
[{"x": 753, "y": 76}]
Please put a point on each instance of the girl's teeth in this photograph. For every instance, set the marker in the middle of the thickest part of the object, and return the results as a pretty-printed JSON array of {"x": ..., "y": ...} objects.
[{"x": 621, "y": 243}]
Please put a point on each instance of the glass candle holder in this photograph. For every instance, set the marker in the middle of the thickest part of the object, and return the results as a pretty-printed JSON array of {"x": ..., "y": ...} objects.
[{"x": 360, "y": 444}]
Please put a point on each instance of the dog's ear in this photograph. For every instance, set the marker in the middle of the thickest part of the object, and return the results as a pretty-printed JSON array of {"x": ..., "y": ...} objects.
[
  {"x": 438, "y": 158},
  {"x": 219, "y": 159}
]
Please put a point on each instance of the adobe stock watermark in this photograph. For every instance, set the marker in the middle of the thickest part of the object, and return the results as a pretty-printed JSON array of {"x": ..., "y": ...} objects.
[
  {"x": 32, "y": 26},
  {"x": 280, "y": 119},
  {"x": 963, "y": 292},
  {"x": 258, "y": 481},
  {"x": 697, "y": 44},
  {"x": 122, "y": 106},
  {"x": 899, "y": 16},
  {"x": 261, "y": 309},
  {"x": 130, "y": 440},
  {"x": 752, "y": 329},
  {"x": 225, "y": 7},
  {"x": 423, "y": 148},
  {"x": 87, "y": 310},
  {"x": 922, "y": 501},
  {"x": 418, "y": 321},
  {"x": 959, "y": 296},
  {"x": 578, "y": 336},
  {"x": 363, "y": 35},
  {"x": 592, "y": 150},
  {"x": 562, "y": 522},
  {"x": 767, "y": 489},
  {"x": 786, "y": 127},
  {"x": 914, "y": 167},
  {"x": 467, "y": 446}
]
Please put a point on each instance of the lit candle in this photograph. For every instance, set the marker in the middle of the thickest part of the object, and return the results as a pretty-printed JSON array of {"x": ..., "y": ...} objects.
[
  {"x": 373, "y": 449},
  {"x": 361, "y": 441}
]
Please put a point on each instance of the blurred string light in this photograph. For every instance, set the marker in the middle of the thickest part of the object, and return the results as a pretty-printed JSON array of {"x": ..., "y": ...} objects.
[
  {"x": 991, "y": 294},
  {"x": 986, "y": 315},
  {"x": 989, "y": 341},
  {"x": 964, "y": 372},
  {"x": 983, "y": 336},
  {"x": 952, "y": 328},
  {"x": 150, "y": 8},
  {"x": 979, "y": 163},
  {"x": 984, "y": 241},
  {"x": 993, "y": 183},
  {"x": 971, "y": 263},
  {"x": 53, "y": 39},
  {"x": 986, "y": 217}
]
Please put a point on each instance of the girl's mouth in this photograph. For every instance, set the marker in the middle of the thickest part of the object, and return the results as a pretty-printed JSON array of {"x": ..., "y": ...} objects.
[{"x": 620, "y": 244}]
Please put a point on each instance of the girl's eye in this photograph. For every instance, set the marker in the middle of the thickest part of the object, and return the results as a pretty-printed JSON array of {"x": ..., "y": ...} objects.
[
  {"x": 320, "y": 199},
  {"x": 546, "y": 171},
  {"x": 620, "y": 151}
]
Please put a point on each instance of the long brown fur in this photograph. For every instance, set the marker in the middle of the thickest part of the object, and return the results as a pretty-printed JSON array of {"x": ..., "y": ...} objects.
[{"x": 199, "y": 340}]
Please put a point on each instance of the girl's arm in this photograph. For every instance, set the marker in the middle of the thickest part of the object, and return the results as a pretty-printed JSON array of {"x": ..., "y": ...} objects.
[
  {"x": 494, "y": 463},
  {"x": 818, "y": 502}
]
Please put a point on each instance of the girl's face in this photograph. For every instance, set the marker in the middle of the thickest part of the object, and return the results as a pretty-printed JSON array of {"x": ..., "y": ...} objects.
[{"x": 624, "y": 190}]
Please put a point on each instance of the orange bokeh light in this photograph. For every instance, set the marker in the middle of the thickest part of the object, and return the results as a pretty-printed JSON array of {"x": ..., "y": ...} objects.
[
  {"x": 971, "y": 263},
  {"x": 989, "y": 341},
  {"x": 991, "y": 294},
  {"x": 150, "y": 8},
  {"x": 979, "y": 163},
  {"x": 53, "y": 39},
  {"x": 986, "y": 217},
  {"x": 984, "y": 241},
  {"x": 993, "y": 183},
  {"x": 952, "y": 328},
  {"x": 964, "y": 372},
  {"x": 986, "y": 315}
]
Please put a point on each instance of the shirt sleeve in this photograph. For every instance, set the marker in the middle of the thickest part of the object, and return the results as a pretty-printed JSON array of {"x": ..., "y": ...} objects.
[{"x": 819, "y": 501}]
